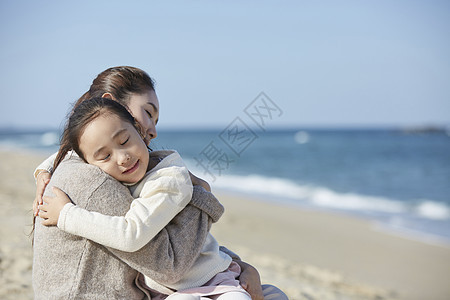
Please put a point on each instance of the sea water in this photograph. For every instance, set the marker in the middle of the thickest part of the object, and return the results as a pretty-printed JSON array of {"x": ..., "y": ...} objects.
[{"x": 397, "y": 179}]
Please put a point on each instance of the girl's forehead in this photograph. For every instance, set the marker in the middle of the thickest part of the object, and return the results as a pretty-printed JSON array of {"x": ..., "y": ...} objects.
[
  {"x": 105, "y": 121},
  {"x": 102, "y": 130}
]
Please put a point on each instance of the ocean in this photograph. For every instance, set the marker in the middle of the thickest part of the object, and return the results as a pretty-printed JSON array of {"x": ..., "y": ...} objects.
[{"x": 399, "y": 180}]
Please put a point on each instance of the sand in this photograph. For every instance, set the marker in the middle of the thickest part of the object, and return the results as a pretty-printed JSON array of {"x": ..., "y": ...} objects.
[
  {"x": 309, "y": 254},
  {"x": 326, "y": 255},
  {"x": 17, "y": 188}
]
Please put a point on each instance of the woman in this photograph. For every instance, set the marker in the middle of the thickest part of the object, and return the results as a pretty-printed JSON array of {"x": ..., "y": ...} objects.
[{"x": 134, "y": 89}]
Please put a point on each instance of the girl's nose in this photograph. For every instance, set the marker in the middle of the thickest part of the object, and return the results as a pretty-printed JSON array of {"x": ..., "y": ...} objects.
[{"x": 124, "y": 158}]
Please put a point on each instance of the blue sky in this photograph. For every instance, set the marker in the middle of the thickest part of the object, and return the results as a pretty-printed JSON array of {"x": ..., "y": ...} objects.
[{"x": 326, "y": 64}]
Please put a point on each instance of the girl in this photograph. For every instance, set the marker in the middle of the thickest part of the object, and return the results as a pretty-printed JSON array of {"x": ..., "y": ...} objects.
[{"x": 103, "y": 133}]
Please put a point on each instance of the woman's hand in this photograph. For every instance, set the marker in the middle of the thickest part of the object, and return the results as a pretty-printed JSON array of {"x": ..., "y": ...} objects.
[
  {"x": 42, "y": 180},
  {"x": 250, "y": 280},
  {"x": 198, "y": 181},
  {"x": 51, "y": 210}
]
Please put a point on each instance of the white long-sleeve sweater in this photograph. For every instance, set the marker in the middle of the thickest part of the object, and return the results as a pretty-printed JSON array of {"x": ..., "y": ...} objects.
[{"x": 164, "y": 191}]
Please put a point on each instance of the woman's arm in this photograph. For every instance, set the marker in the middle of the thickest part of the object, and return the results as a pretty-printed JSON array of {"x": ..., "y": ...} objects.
[
  {"x": 250, "y": 280},
  {"x": 249, "y": 277},
  {"x": 42, "y": 175},
  {"x": 42, "y": 180},
  {"x": 198, "y": 181},
  {"x": 164, "y": 195}
]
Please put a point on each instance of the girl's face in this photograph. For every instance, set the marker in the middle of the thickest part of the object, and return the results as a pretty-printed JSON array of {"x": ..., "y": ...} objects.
[
  {"x": 145, "y": 109},
  {"x": 116, "y": 147}
]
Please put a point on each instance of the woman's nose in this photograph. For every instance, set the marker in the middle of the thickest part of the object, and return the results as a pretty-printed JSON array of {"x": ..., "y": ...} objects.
[{"x": 151, "y": 132}]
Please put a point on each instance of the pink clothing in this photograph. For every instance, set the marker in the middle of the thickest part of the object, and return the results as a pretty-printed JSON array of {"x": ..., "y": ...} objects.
[{"x": 223, "y": 282}]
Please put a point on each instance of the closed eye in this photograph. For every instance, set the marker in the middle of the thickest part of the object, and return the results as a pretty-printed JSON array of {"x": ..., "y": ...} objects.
[
  {"x": 149, "y": 114},
  {"x": 106, "y": 157},
  {"x": 125, "y": 141}
]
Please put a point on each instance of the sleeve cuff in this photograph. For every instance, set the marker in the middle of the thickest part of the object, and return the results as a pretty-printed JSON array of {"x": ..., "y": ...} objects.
[
  {"x": 233, "y": 255},
  {"x": 63, "y": 216},
  {"x": 39, "y": 171},
  {"x": 207, "y": 202}
]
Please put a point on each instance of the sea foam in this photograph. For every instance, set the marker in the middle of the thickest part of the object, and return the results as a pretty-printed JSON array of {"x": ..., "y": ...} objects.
[{"x": 279, "y": 189}]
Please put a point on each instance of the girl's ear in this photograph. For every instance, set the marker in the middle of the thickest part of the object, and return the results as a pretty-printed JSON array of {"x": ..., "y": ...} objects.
[{"x": 108, "y": 96}]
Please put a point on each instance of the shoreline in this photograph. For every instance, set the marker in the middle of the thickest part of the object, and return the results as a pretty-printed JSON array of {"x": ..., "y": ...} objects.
[
  {"x": 407, "y": 233},
  {"x": 308, "y": 253}
]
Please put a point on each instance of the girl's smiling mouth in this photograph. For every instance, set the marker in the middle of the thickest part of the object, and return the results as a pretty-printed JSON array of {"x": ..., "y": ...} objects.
[{"x": 132, "y": 169}]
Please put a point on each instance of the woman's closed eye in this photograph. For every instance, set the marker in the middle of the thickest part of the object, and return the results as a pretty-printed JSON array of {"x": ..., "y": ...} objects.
[
  {"x": 151, "y": 116},
  {"x": 106, "y": 157}
]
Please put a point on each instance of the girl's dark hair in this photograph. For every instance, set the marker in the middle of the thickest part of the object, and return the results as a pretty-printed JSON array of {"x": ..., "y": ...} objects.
[
  {"x": 121, "y": 82},
  {"x": 81, "y": 116}
]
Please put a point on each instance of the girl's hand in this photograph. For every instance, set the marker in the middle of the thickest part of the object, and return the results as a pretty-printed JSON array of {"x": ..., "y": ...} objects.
[
  {"x": 51, "y": 210},
  {"x": 198, "y": 181},
  {"x": 41, "y": 182},
  {"x": 250, "y": 280}
]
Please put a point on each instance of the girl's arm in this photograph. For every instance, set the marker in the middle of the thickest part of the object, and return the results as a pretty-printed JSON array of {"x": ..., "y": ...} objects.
[{"x": 164, "y": 195}]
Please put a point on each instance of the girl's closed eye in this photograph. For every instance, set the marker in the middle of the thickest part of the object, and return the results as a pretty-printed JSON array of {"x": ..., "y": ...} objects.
[
  {"x": 106, "y": 157},
  {"x": 124, "y": 142},
  {"x": 149, "y": 114}
]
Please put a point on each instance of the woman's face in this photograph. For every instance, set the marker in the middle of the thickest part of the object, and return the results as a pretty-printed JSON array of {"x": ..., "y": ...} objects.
[{"x": 145, "y": 109}]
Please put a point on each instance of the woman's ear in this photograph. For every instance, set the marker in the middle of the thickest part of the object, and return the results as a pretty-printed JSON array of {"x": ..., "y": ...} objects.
[{"x": 108, "y": 95}]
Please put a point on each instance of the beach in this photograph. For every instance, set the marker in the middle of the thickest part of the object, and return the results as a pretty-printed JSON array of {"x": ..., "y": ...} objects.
[{"x": 310, "y": 254}]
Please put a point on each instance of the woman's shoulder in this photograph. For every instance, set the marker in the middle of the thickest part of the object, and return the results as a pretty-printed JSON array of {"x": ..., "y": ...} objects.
[
  {"x": 166, "y": 158},
  {"x": 75, "y": 165},
  {"x": 75, "y": 173},
  {"x": 91, "y": 188},
  {"x": 162, "y": 154}
]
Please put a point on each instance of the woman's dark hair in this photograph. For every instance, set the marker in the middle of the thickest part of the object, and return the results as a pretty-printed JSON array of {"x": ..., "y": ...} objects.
[
  {"x": 121, "y": 82},
  {"x": 81, "y": 116}
]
